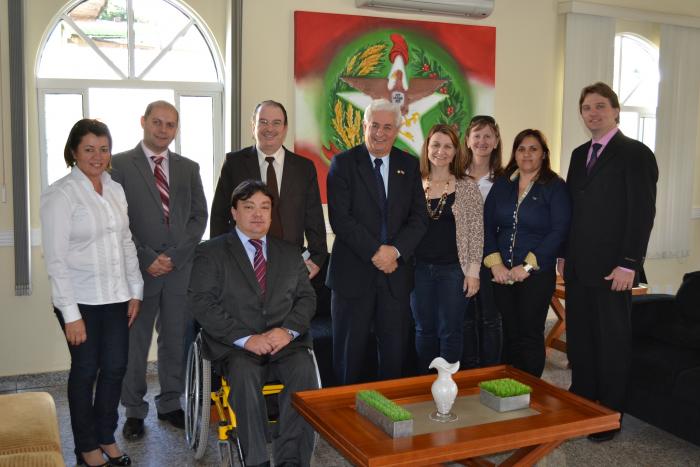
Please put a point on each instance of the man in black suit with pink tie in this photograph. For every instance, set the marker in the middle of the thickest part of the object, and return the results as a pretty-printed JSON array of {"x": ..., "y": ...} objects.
[{"x": 612, "y": 181}]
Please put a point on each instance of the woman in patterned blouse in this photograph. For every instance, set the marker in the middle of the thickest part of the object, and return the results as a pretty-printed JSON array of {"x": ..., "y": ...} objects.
[{"x": 449, "y": 256}]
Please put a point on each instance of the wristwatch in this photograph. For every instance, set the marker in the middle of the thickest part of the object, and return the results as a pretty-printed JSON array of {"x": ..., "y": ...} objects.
[
  {"x": 528, "y": 267},
  {"x": 289, "y": 331}
]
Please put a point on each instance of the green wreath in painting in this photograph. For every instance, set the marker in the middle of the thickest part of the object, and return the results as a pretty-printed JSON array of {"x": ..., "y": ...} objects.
[{"x": 404, "y": 67}]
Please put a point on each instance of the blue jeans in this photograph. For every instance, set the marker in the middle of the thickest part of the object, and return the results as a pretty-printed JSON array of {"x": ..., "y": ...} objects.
[
  {"x": 482, "y": 327},
  {"x": 438, "y": 304},
  {"x": 101, "y": 358}
]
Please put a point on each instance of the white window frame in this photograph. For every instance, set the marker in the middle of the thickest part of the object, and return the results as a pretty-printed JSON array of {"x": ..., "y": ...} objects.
[
  {"x": 642, "y": 112},
  {"x": 215, "y": 90}
]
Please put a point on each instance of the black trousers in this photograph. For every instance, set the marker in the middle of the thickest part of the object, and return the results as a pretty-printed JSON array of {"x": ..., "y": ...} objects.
[
  {"x": 97, "y": 369},
  {"x": 247, "y": 373},
  {"x": 353, "y": 319},
  {"x": 523, "y": 307},
  {"x": 598, "y": 339}
]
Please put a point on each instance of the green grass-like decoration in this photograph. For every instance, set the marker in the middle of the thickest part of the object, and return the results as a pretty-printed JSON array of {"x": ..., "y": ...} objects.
[
  {"x": 392, "y": 410},
  {"x": 505, "y": 387}
]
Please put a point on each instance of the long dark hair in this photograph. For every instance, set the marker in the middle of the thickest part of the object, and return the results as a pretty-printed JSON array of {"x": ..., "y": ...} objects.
[{"x": 546, "y": 174}]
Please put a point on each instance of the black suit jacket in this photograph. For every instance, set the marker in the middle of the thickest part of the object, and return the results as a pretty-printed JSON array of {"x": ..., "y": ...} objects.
[
  {"x": 355, "y": 216},
  {"x": 613, "y": 209},
  {"x": 300, "y": 200},
  {"x": 225, "y": 297}
]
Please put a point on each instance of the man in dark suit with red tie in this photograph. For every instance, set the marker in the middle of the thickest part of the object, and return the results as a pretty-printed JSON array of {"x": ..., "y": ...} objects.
[
  {"x": 252, "y": 296},
  {"x": 291, "y": 179},
  {"x": 612, "y": 181},
  {"x": 377, "y": 211}
]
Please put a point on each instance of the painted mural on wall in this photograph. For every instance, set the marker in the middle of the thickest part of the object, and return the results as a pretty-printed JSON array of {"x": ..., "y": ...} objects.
[{"x": 435, "y": 72}]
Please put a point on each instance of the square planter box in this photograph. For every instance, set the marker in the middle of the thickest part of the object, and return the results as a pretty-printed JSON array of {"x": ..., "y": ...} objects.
[
  {"x": 390, "y": 427},
  {"x": 504, "y": 404}
]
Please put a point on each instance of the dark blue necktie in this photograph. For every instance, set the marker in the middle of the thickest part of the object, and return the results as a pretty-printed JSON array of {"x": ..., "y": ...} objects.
[
  {"x": 382, "y": 196},
  {"x": 594, "y": 157}
]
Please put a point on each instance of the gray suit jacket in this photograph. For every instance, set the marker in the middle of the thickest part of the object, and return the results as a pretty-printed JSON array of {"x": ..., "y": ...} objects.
[
  {"x": 225, "y": 297},
  {"x": 152, "y": 236}
]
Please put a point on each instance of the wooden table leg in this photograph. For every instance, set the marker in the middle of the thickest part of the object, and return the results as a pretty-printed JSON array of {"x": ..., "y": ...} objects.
[
  {"x": 552, "y": 340},
  {"x": 527, "y": 456},
  {"x": 476, "y": 462},
  {"x": 530, "y": 455}
]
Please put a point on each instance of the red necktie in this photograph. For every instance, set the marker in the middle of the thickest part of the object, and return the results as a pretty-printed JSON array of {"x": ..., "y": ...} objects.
[
  {"x": 259, "y": 264},
  {"x": 162, "y": 185}
]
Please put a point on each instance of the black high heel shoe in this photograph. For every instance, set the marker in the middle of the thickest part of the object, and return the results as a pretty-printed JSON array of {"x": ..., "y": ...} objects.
[
  {"x": 124, "y": 459},
  {"x": 81, "y": 461}
]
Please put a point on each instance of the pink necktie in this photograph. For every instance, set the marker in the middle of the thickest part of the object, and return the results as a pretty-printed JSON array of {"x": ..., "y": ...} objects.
[
  {"x": 162, "y": 185},
  {"x": 259, "y": 264}
]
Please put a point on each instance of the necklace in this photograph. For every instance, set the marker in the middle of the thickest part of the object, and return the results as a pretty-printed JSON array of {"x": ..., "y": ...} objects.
[{"x": 437, "y": 212}]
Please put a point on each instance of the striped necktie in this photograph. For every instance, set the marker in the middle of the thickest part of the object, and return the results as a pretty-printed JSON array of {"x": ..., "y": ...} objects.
[
  {"x": 162, "y": 185},
  {"x": 259, "y": 264}
]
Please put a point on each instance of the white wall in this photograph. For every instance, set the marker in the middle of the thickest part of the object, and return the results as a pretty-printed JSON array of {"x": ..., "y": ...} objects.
[{"x": 528, "y": 94}]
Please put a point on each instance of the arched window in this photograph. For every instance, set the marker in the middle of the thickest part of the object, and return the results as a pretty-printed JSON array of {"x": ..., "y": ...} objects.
[
  {"x": 108, "y": 59},
  {"x": 636, "y": 82}
]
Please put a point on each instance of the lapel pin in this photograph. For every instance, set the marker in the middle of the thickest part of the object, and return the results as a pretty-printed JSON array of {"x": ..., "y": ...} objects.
[{"x": 400, "y": 172}]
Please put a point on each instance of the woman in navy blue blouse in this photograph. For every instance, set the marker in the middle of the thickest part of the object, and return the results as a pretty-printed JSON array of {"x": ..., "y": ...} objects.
[{"x": 526, "y": 219}]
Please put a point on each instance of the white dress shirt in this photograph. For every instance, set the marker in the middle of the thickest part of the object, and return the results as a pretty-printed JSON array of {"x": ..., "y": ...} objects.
[
  {"x": 89, "y": 254},
  {"x": 250, "y": 251},
  {"x": 165, "y": 165},
  {"x": 383, "y": 170},
  {"x": 278, "y": 164}
]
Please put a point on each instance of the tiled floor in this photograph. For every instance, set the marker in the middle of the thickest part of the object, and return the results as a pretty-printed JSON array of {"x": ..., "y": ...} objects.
[{"x": 639, "y": 444}]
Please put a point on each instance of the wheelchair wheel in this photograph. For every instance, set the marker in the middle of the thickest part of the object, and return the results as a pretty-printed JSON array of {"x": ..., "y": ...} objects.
[
  {"x": 197, "y": 399},
  {"x": 239, "y": 449},
  {"x": 226, "y": 453}
]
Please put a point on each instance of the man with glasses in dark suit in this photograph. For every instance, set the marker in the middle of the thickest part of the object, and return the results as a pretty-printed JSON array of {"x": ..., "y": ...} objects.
[{"x": 291, "y": 179}]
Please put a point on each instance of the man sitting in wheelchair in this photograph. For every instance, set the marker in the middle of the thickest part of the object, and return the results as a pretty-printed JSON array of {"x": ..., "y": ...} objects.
[{"x": 252, "y": 297}]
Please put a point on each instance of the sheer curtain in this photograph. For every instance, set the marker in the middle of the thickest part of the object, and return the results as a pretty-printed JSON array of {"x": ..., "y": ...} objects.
[
  {"x": 676, "y": 140},
  {"x": 589, "y": 57}
]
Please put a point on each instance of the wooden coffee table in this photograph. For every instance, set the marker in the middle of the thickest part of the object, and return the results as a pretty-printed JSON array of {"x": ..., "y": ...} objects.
[{"x": 561, "y": 416}]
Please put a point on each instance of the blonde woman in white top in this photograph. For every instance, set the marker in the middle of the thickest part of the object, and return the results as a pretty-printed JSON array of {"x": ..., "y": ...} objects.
[
  {"x": 482, "y": 327},
  {"x": 96, "y": 287}
]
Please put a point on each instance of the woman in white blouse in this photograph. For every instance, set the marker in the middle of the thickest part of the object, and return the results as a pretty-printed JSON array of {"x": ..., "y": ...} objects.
[
  {"x": 96, "y": 287},
  {"x": 482, "y": 324}
]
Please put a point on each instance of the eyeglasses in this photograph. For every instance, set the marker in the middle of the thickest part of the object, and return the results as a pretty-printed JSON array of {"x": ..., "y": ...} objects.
[
  {"x": 482, "y": 119},
  {"x": 273, "y": 123}
]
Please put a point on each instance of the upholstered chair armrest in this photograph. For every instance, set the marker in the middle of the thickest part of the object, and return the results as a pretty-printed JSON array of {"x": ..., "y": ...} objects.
[{"x": 651, "y": 311}]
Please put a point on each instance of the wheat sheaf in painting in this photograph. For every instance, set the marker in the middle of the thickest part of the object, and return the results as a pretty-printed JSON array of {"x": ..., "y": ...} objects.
[{"x": 435, "y": 72}]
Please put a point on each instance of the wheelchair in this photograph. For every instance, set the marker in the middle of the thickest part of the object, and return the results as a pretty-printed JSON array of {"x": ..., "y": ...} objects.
[{"x": 201, "y": 399}]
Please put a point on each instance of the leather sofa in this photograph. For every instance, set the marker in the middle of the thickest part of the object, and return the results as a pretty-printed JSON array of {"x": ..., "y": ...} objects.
[{"x": 664, "y": 380}]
